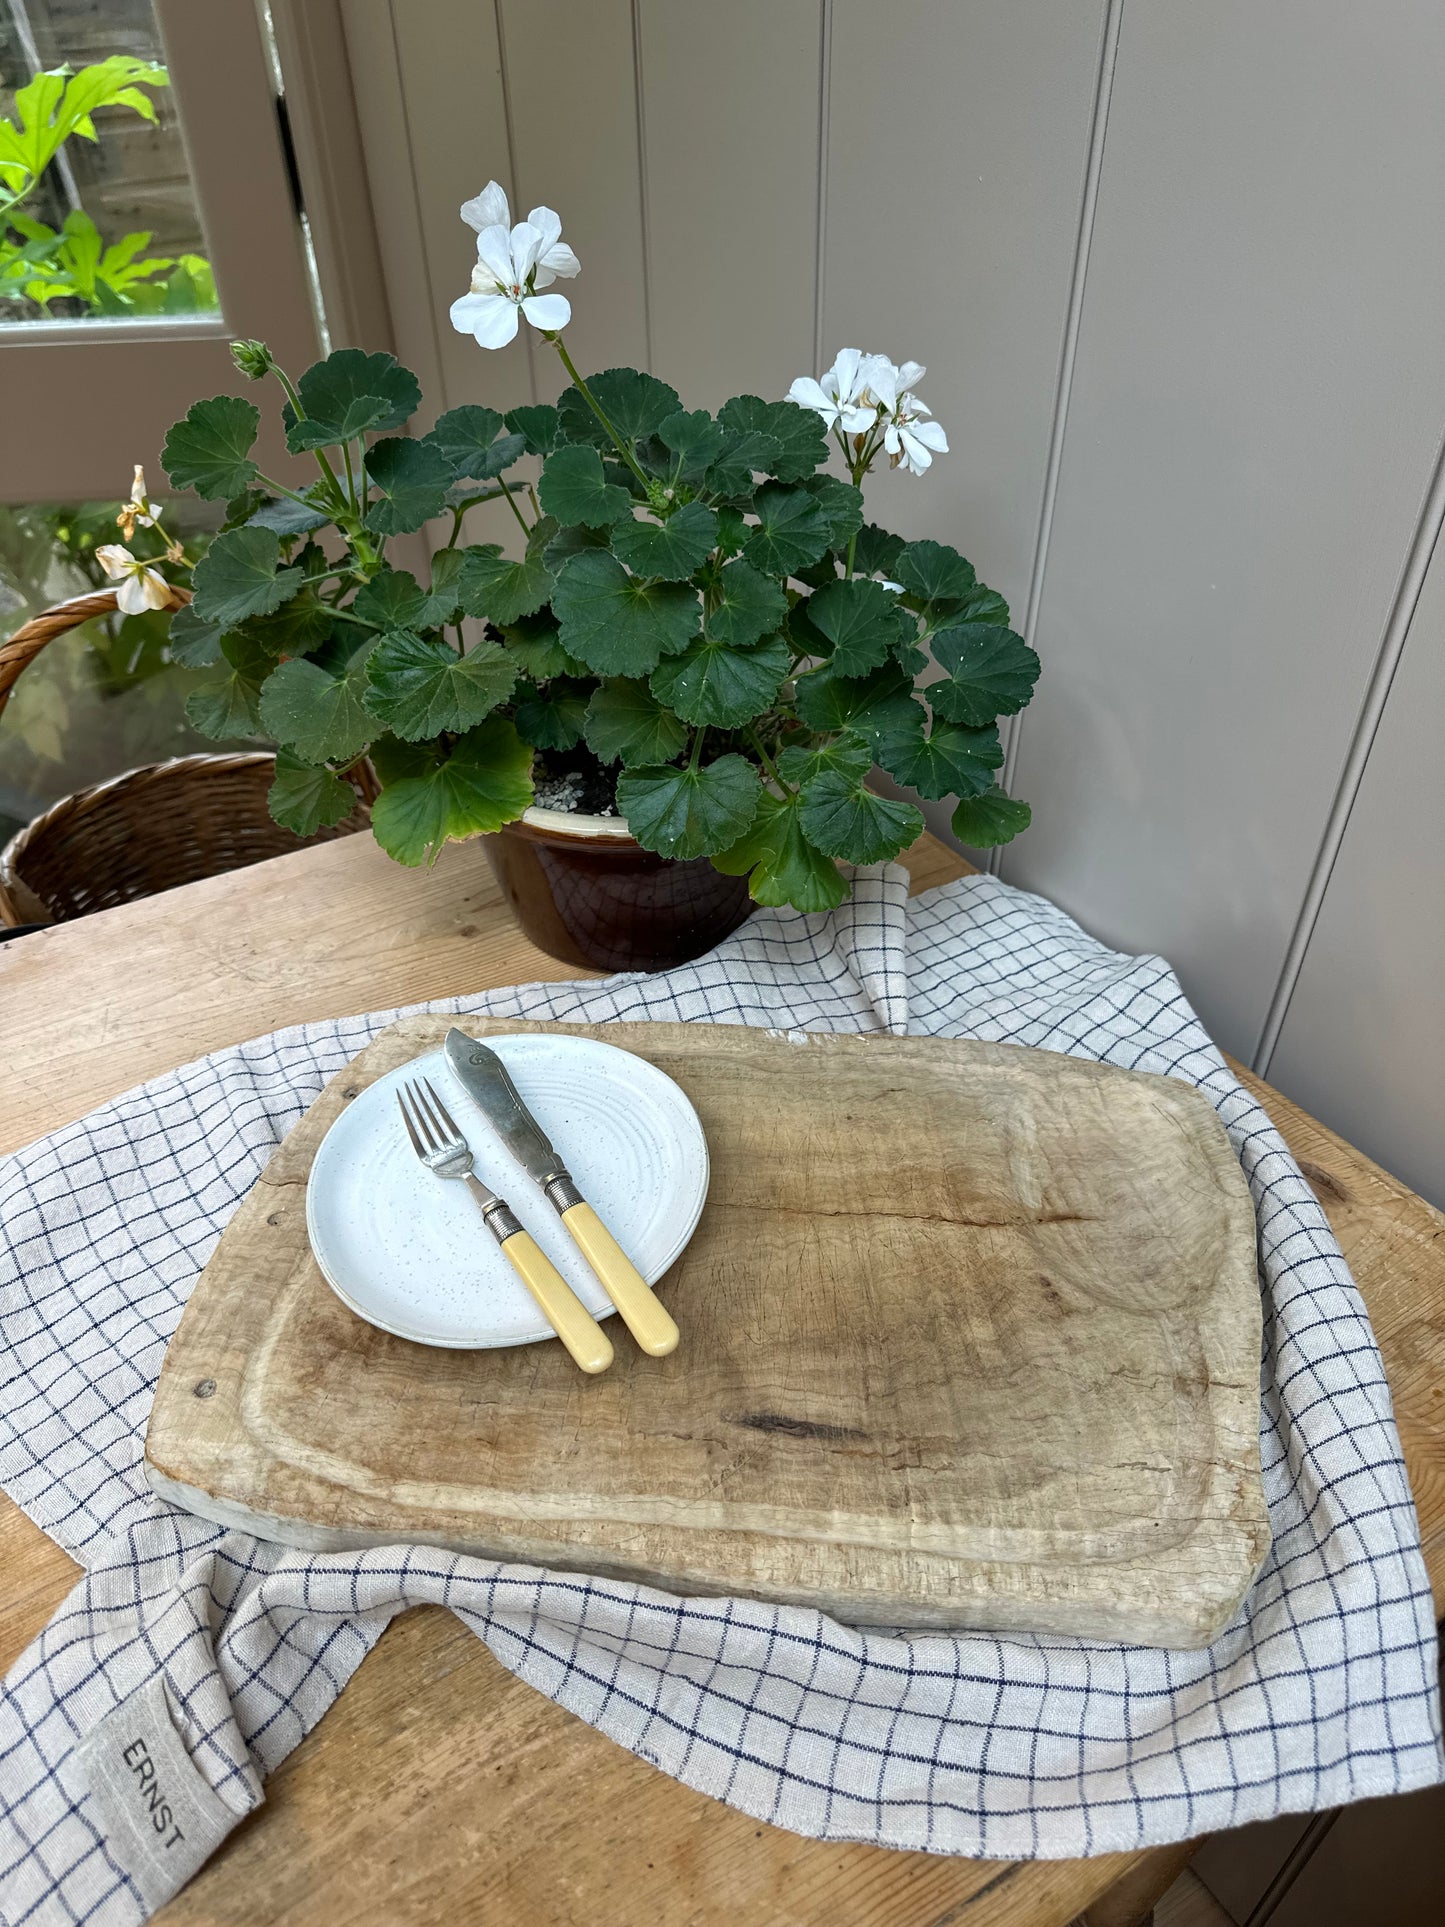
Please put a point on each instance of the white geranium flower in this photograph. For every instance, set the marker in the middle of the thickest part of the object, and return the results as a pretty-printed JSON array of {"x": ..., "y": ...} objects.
[
  {"x": 141, "y": 587},
  {"x": 513, "y": 263},
  {"x": 911, "y": 437},
  {"x": 836, "y": 398}
]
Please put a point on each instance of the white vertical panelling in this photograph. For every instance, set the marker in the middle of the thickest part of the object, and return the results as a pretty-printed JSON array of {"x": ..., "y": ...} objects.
[
  {"x": 434, "y": 127},
  {"x": 1253, "y": 420},
  {"x": 957, "y": 157},
  {"x": 730, "y": 105},
  {"x": 1363, "y": 1043},
  {"x": 572, "y": 92}
]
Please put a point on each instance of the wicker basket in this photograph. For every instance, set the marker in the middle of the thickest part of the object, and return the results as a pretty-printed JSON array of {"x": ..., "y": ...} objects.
[{"x": 142, "y": 832}]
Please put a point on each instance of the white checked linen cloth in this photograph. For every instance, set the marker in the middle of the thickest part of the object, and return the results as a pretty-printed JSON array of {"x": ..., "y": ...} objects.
[{"x": 1322, "y": 1690}]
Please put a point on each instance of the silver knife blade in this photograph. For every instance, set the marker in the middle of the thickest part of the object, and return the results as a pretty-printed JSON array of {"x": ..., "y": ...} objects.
[{"x": 484, "y": 1078}]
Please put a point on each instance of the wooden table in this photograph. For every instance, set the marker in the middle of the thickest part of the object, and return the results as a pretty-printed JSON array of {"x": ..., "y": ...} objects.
[{"x": 439, "y": 1787}]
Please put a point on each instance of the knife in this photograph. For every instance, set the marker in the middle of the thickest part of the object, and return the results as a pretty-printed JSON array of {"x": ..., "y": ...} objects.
[{"x": 484, "y": 1077}]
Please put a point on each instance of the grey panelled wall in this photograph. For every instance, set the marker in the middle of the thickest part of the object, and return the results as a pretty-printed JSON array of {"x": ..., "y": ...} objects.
[
  {"x": 1257, "y": 401},
  {"x": 1364, "y": 1038},
  {"x": 1178, "y": 275}
]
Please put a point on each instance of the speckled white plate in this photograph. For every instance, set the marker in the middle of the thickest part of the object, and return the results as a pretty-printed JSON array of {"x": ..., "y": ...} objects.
[{"x": 409, "y": 1252}]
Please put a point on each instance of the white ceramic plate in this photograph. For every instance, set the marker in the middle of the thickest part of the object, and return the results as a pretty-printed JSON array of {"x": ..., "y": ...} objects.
[{"x": 409, "y": 1251}]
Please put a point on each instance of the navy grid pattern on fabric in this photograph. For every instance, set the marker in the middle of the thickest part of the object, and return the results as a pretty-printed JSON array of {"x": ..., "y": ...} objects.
[{"x": 1321, "y": 1690}]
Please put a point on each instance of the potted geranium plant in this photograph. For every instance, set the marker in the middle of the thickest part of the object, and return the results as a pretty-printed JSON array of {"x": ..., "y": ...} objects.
[{"x": 696, "y": 656}]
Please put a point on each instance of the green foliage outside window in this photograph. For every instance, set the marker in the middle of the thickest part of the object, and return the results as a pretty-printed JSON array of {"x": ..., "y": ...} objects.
[{"x": 47, "y": 271}]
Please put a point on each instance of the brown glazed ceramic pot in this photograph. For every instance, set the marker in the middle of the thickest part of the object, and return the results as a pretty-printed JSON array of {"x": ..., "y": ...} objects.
[{"x": 586, "y": 893}]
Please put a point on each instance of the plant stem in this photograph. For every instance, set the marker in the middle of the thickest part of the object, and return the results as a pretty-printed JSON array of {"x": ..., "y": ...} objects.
[
  {"x": 768, "y": 764},
  {"x": 350, "y": 477},
  {"x": 300, "y": 413},
  {"x": 512, "y": 505},
  {"x": 852, "y": 546},
  {"x": 692, "y": 762},
  {"x": 592, "y": 402},
  {"x": 290, "y": 493}
]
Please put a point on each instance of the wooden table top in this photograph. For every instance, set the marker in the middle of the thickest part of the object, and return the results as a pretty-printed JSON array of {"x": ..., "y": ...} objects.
[{"x": 440, "y": 1787}]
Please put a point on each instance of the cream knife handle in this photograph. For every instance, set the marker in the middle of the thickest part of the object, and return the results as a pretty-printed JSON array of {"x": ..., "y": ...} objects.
[{"x": 645, "y": 1316}]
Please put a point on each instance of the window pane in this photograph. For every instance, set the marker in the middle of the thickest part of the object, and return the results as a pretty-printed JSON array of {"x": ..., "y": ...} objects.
[
  {"x": 109, "y": 228},
  {"x": 103, "y": 698}
]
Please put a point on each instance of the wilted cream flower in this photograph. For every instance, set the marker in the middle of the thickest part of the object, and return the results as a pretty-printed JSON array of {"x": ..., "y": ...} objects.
[{"x": 141, "y": 586}]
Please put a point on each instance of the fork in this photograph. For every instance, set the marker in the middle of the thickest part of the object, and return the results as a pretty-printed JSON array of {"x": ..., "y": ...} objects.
[{"x": 446, "y": 1154}]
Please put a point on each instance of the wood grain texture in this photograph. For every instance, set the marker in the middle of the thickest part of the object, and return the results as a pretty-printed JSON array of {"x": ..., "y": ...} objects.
[
  {"x": 427, "y": 1735},
  {"x": 947, "y": 1362}
]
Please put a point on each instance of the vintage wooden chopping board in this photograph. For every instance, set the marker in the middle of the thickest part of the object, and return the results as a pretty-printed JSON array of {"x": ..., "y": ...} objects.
[{"x": 971, "y": 1337}]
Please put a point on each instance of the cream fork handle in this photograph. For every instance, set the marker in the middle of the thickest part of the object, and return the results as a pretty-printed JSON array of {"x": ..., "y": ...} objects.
[{"x": 564, "y": 1311}]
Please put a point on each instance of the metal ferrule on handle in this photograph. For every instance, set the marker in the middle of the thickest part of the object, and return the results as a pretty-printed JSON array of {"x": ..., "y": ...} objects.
[
  {"x": 562, "y": 1193},
  {"x": 501, "y": 1220}
]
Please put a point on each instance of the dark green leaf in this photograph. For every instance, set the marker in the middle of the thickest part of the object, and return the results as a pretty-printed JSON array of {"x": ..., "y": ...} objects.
[
  {"x": 843, "y": 818},
  {"x": 394, "y": 600},
  {"x": 842, "y": 507},
  {"x": 626, "y": 723},
  {"x": 669, "y": 550},
  {"x": 749, "y": 606},
  {"x": 360, "y": 413},
  {"x": 468, "y": 441},
  {"x": 991, "y": 673},
  {"x": 226, "y": 703},
  {"x": 695, "y": 438},
  {"x": 413, "y": 480},
  {"x": 297, "y": 628},
  {"x": 617, "y": 624},
  {"x": 574, "y": 489},
  {"x": 746, "y": 452},
  {"x": 800, "y": 434},
  {"x": 861, "y": 620},
  {"x": 237, "y": 577},
  {"x": 552, "y": 718},
  {"x": 869, "y": 706},
  {"x": 536, "y": 644},
  {"x": 465, "y": 434},
  {"x": 485, "y": 782},
  {"x": 949, "y": 761},
  {"x": 563, "y": 544},
  {"x": 785, "y": 866},
  {"x": 501, "y": 590},
  {"x": 933, "y": 571},
  {"x": 636, "y": 405},
  {"x": 304, "y": 799},
  {"x": 689, "y": 812},
  {"x": 242, "y": 507},
  {"x": 210, "y": 449},
  {"x": 420, "y": 687},
  {"x": 797, "y": 764},
  {"x": 194, "y": 642},
  {"x": 539, "y": 427},
  {"x": 990, "y": 819},
  {"x": 792, "y": 530},
  {"x": 732, "y": 530},
  {"x": 348, "y": 392},
  {"x": 817, "y": 574},
  {"x": 444, "y": 598},
  {"x": 711, "y": 682},
  {"x": 318, "y": 717},
  {"x": 876, "y": 551},
  {"x": 288, "y": 518},
  {"x": 983, "y": 605}
]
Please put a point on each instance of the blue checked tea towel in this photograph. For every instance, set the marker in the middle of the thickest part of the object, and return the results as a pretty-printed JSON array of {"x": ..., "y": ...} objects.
[{"x": 1322, "y": 1689}]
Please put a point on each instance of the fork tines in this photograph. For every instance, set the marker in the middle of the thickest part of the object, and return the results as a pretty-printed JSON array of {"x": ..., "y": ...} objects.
[{"x": 428, "y": 1122}]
